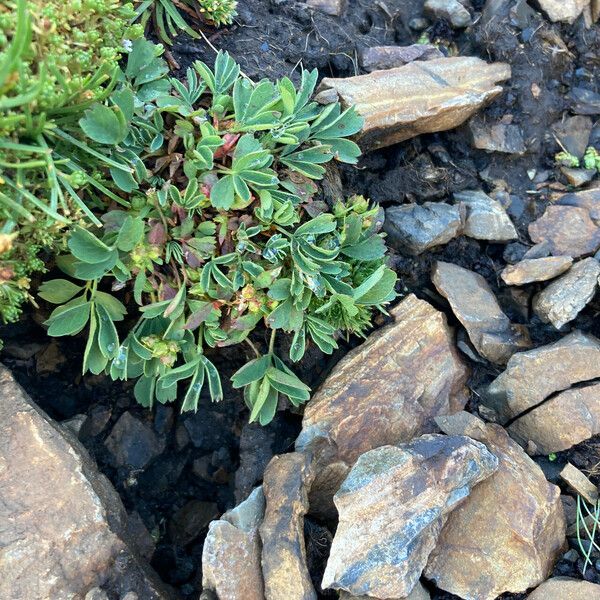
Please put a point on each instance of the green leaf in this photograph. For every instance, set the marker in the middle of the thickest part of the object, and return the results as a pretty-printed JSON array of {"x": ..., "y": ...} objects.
[
  {"x": 298, "y": 346},
  {"x": 93, "y": 360},
  {"x": 214, "y": 381},
  {"x": 286, "y": 378},
  {"x": 374, "y": 294},
  {"x": 130, "y": 234},
  {"x": 58, "y": 291},
  {"x": 104, "y": 125},
  {"x": 124, "y": 180},
  {"x": 86, "y": 247},
  {"x": 222, "y": 194},
  {"x": 259, "y": 400},
  {"x": 144, "y": 390},
  {"x": 108, "y": 339},
  {"x": 370, "y": 249},
  {"x": 190, "y": 401},
  {"x": 70, "y": 318},
  {"x": 252, "y": 371},
  {"x": 114, "y": 307}
]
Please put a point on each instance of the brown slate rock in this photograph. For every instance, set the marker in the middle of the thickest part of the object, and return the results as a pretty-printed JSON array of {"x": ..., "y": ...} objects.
[
  {"x": 392, "y": 507},
  {"x": 418, "y": 593},
  {"x": 420, "y": 97},
  {"x": 565, "y": 11},
  {"x": 565, "y": 298},
  {"x": 286, "y": 483},
  {"x": 231, "y": 553},
  {"x": 486, "y": 218},
  {"x": 509, "y": 532},
  {"x": 577, "y": 481},
  {"x": 565, "y": 588},
  {"x": 335, "y": 8},
  {"x": 531, "y": 270},
  {"x": 476, "y": 307},
  {"x": 530, "y": 377},
  {"x": 385, "y": 391},
  {"x": 588, "y": 199},
  {"x": 574, "y": 133},
  {"x": 388, "y": 57},
  {"x": 568, "y": 231},
  {"x": 64, "y": 528},
  {"x": 562, "y": 421}
]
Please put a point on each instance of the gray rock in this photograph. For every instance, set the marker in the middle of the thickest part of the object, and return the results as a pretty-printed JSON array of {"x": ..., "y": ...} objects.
[
  {"x": 96, "y": 594},
  {"x": 231, "y": 552},
  {"x": 566, "y": 588},
  {"x": 190, "y": 520},
  {"x": 587, "y": 199},
  {"x": 486, "y": 218},
  {"x": 562, "y": 421},
  {"x": 580, "y": 483},
  {"x": 584, "y": 101},
  {"x": 451, "y": 10},
  {"x": 476, "y": 307},
  {"x": 509, "y": 532},
  {"x": 388, "y": 57},
  {"x": 574, "y": 134},
  {"x": 392, "y": 507},
  {"x": 578, "y": 177},
  {"x": 536, "y": 269},
  {"x": 133, "y": 443},
  {"x": 567, "y": 230},
  {"x": 565, "y": 11},
  {"x": 566, "y": 297},
  {"x": 255, "y": 454},
  {"x": 335, "y": 8},
  {"x": 415, "y": 228},
  {"x": 531, "y": 377},
  {"x": 63, "y": 526},
  {"x": 496, "y": 137},
  {"x": 418, "y": 593}
]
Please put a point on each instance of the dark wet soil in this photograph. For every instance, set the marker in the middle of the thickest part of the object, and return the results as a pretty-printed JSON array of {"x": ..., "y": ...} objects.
[{"x": 200, "y": 453}]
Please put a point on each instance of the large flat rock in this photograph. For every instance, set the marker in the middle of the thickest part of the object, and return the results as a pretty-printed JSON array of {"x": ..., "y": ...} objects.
[
  {"x": 509, "y": 532},
  {"x": 392, "y": 507},
  {"x": 476, "y": 307},
  {"x": 531, "y": 377},
  {"x": 565, "y": 588},
  {"x": 531, "y": 270},
  {"x": 386, "y": 391},
  {"x": 420, "y": 97},
  {"x": 63, "y": 525}
]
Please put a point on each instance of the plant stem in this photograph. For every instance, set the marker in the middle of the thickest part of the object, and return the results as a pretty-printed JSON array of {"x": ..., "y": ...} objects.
[
  {"x": 272, "y": 341},
  {"x": 253, "y": 347}
]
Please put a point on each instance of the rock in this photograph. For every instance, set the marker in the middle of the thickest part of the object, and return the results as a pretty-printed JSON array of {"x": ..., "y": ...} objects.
[
  {"x": 388, "y": 57},
  {"x": 96, "y": 594},
  {"x": 531, "y": 377},
  {"x": 50, "y": 359},
  {"x": 486, "y": 218},
  {"x": 415, "y": 228},
  {"x": 231, "y": 552},
  {"x": 508, "y": 533},
  {"x": 566, "y": 297},
  {"x": 580, "y": 483},
  {"x": 420, "y": 97},
  {"x": 385, "y": 391},
  {"x": 61, "y": 540},
  {"x": 418, "y": 593},
  {"x": 496, "y": 137},
  {"x": 74, "y": 424},
  {"x": 565, "y": 588},
  {"x": 286, "y": 482},
  {"x": 451, "y": 10},
  {"x": 562, "y": 421},
  {"x": 476, "y": 307},
  {"x": 573, "y": 134},
  {"x": 583, "y": 101},
  {"x": 97, "y": 419},
  {"x": 190, "y": 520},
  {"x": 587, "y": 199},
  {"x": 392, "y": 506},
  {"x": 255, "y": 453},
  {"x": 578, "y": 177},
  {"x": 568, "y": 230},
  {"x": 565, "y": 11},
  {"x": 334, "y": 8},
  {"x": 139, "y": 536},
  {"x": 133, "y": 443},
  {"x": 531, "y": 270}
]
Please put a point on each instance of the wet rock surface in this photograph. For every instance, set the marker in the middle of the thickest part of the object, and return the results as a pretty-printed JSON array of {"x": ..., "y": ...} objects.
[
  {"x": 416, "y": 228},
  {"x": 509, "y": 532},
  {"x": 392, "y": 507},
  {"x": 565, "y": 298},
  {"x": 419, "y": 97},
  {"x": 536, "y": 269},
  {"x": 62, "y": 539},
  {"x": 385, "y": 391},
  {"x": 476, "y": 307}
]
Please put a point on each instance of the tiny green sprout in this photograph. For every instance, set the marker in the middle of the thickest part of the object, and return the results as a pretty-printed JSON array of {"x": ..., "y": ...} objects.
[
  {"x": 591, "y": 158},
  {"x": 566, "y": 159},
  {"x": 552, "y": 457}
]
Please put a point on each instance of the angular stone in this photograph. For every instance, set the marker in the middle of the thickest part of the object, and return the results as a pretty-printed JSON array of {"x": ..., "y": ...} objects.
[
  {"x": 392, "y": 507},
  {"x": 568, "y": 231},
  {"x": 451, "y": 10},
  {"x": 574, "y": 134},
  {"x": 508, "y": 533},
  {"x": 418, "y": 593},
  {"x": 190, "y": 520},
  {"x": 565, "y": 11},
  {"x": 415, "y": 228},
  {"x": 565, "y": 588},
  {"x": 566, "y": 297},
  {"x": 420, "y": 97},
  {"x": 578, "y": 482},
  {"x": 530, "y": 270},
  {"x": 286, "y": 482},
  {"x": 486, "y": 218},
  {"x": 335, "y": 8},
  {"x": 231, "y": 553},
  {"x": 388, "y": 57},
  {"x": 255, "y": 454},
  {"x": 578, "y": 177},
  {"x": 584, "y": 101},
  {"x": 497, "y": 137},
  {"x": 476, "y": 307},
  {"x": 588, "y": 199},
  {"x": 385, "y": 391},
  {"x": 63, "y": 526},
  {"x": 530, "y": 377},
  {"x": 564, "y": 420}
]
